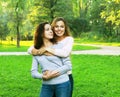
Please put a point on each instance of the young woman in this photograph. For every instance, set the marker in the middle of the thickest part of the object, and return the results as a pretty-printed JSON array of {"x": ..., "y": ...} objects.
[
  {"x": 62, "y": 36},
  {"x": 54, "y": 72}
]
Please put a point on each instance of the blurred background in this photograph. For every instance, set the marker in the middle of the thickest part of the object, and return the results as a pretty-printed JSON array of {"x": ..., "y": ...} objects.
[{"x": 89, "y": 20}]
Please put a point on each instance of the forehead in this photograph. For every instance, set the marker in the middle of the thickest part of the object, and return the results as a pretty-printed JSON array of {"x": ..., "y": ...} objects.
[
  {"x": 47, "y": 26},
  {"x": 59, "y": 23}
]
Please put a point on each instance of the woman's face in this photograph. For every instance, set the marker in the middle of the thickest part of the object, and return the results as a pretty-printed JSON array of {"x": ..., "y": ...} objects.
[
  {"x": 59, "y": 28},
  {"x": 48, "y": 33}
]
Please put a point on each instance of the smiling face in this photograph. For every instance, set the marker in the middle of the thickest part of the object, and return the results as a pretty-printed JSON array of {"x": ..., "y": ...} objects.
[
  {"x": 59, "y": 28},
  {"x": 48, "y": 33}
]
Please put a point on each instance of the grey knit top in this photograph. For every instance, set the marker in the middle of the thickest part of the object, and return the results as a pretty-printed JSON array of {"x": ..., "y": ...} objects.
[{"x": 42, "y": 63}]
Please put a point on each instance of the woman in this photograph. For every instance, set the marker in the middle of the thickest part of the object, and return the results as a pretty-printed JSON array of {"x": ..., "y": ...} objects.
[
  {"x": 62, "y": 36},
  {"x": 55, "y": 79}
]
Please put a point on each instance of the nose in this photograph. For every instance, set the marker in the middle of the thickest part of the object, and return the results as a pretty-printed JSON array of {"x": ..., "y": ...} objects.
[{"x": 59, "y": 28}]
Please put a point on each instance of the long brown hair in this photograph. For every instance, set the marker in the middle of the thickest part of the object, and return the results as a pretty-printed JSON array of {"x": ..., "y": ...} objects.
[
  {"x": 38, "y": 36},
  {"x": 67, "y": 30}
]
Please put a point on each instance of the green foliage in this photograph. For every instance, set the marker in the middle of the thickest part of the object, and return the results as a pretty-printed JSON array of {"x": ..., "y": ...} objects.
[
  {"x": 80, "y": 25},
  {"x": 99, "y": 16},
  {"x": 111, "y": 15}
]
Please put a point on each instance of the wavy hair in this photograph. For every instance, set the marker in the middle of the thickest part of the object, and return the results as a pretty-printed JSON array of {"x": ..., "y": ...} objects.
[
  {"x": 67, "y": 30},
  {"x": 38, "y": 36}
]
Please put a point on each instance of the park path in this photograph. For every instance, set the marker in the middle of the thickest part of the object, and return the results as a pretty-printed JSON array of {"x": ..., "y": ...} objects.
[{"x": 104, "y": 50}]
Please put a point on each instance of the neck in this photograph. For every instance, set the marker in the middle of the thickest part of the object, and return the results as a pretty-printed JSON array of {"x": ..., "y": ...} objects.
[
  {"x": 47, "y": 42},
  {"x": 60, "y": 38}
]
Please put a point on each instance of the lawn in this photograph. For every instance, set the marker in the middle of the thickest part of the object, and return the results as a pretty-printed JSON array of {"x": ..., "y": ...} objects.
[
  {"x": 10, "y": 46},
  {"x": 94, "y": 76},
  {"x": 6, "y": 46}
]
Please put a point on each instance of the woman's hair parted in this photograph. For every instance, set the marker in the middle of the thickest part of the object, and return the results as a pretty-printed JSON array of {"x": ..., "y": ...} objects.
[
  {"x": 67, "y": 30},
  {"x": 38, "y": 36}
]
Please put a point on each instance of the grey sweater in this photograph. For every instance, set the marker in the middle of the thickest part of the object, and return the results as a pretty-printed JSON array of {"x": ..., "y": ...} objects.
[{"x": 63, "y": 65}]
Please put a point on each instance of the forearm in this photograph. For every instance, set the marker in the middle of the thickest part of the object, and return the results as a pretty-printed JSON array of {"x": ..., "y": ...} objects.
[
  {"x": 67, "y": 66},
  {"x": 30, "y": 49},
  {"x": 36, "y": 74},
  {"x": 34, "y": 69},
  {"x": 64, "y": 69},
  {"x": 66, "y": 49},
  {"x": 34, "y": 51},
  {"x": 59, "y": 52}
]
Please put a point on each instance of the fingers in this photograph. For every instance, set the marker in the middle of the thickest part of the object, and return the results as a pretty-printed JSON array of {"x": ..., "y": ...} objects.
[
  {"x": 41, "y": 50},
  {"x": 50, "y": 74},
  {"x": 46, "y": 72},
  {"x": 47, "y": 53}
]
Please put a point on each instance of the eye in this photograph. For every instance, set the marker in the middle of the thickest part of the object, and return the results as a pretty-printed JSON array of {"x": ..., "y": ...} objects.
[
  {"x": 62, "y": 26},
  {"x": 56, "y": 26}
]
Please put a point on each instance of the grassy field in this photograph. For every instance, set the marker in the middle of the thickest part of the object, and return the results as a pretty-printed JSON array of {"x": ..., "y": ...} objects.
[
  {"x": 11, "y": 46},
  {"x": 94, "y": 76}
]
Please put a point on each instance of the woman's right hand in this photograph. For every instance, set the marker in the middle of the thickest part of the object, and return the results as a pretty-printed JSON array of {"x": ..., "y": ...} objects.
[
  {"x": 34, "y": 51},
  {"x": 50, "y": 74},
  {"x": 41, "y": 51},
  {"x": 38, "y": 51}
]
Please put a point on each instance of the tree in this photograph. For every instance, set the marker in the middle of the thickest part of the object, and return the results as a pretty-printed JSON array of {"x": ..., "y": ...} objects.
[
  {"x": 17, "y": 9},
  {"x": 111, "y": 15}
]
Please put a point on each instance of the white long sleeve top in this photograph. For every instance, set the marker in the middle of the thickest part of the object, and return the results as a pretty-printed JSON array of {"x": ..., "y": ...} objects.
[{"x": 65, "y": 51}]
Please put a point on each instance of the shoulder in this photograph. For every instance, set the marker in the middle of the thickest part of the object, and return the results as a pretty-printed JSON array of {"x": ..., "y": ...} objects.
[
  {"x": 66, "y": 40},
  {"x": 69, "y": 38}
]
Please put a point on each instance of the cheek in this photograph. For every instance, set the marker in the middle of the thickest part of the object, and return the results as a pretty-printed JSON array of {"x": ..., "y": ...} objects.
[
  {"x": 63, "y": 29},
  {"x": 55, "y": 29}
]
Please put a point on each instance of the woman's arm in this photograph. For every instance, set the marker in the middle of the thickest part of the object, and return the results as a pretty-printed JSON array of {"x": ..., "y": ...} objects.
[
  {"x": 65, "y": 50},
  {"x": 46, "y": 75},
  {"x": 67, "y": 66},
  {"x": 34, "y": 69},
  {"x": 33, "y": 51},
  {"x": 59, "y": 71}
]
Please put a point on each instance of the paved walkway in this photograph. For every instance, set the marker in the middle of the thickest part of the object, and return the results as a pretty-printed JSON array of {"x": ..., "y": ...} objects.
[{"x": 105, "y": 50}]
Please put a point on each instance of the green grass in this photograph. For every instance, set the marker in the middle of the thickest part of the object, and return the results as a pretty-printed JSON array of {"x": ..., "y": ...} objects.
[
  {"x": 11, "y": 47},
  {"x": 78, "y": 40},
  {"x": 94, "y": 76},
  {"x": 77, "y": 47}
]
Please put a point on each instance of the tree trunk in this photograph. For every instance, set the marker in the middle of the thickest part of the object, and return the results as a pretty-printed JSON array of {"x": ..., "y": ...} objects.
[
  {"x": 18, "y": 35},
  {"x": 17, "y": 26}
]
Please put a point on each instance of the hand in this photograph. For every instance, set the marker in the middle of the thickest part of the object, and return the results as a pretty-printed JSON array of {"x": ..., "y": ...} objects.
[
  {"x": 50, "y": 74},
  {"x": 41, "y": 51},
  {"x": 34, "y": 51},
  {"x": 48, "y": 54}
]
